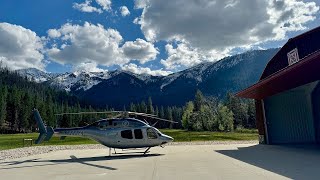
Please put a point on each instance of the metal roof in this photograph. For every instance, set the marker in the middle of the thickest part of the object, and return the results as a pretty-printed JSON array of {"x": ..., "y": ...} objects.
[
  {"x": 304, "y": 72},
  {"x": 279, "y": 75}
]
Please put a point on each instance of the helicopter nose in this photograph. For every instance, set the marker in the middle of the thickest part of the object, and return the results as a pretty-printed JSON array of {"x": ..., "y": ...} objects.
[{"x": 168, "y": 138}]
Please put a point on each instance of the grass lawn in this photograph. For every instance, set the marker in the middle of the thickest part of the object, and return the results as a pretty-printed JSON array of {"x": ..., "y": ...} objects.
[
  {"x": 182, "y": 135},
  {"x": 10, "y": 141}
]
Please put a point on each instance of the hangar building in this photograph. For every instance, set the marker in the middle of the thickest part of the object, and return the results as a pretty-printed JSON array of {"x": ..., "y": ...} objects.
[{"x": 287, "y": 96}]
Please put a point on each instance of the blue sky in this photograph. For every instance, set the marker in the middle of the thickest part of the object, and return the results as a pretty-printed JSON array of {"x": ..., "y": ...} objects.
[{"x": 156, "y": 37}]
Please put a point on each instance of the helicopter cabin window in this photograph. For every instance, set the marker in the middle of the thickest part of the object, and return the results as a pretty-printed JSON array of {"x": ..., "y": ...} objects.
[
  {"x": 127, "y": 134},
  {"x": 151, "y": 134},
  {"x": 138, "y": 134}
]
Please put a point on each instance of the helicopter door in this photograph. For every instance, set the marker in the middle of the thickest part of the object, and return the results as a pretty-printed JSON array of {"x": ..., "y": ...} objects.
[
  {"x": 138, "y": 134},
  {"x": 126, "y": 139}
]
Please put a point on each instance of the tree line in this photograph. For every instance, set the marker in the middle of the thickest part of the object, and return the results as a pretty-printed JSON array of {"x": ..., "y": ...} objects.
[
  {"x": 19, "y": 96},
  {"x": 204, "y": 113},
  {"x": 209, "y": 114}
]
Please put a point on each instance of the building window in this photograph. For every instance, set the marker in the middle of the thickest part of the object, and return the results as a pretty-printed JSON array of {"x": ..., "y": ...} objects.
[
  {"x": 138, "y": 134},
  {"x": 127, "y": 134},
  {"x": 151, "y": 134}
]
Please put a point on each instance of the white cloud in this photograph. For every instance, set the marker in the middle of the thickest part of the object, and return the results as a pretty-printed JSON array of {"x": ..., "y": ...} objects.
[
  {"x": 183, "y": 56},
  {"x": 290, "y": 15},
  {"x": 140, "y": 50},
  {"x": 53, "y": 33},
  {"x": 216, "y": 27},
  {"x": 90, "y": 66},
  {"x": 20, "y": 47},
  {"x": 124, "y": 11},
  {"x": 88, "y": 43},
  {"x": 138, "y": 4},
  {"x": 94, "y": 45},
  {"x": 105, "y": 4},
  {"x": 144, "y": 70},
  {"x": 86, "y": 7}
]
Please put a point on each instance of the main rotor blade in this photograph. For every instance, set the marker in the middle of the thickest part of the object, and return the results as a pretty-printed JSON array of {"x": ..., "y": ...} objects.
[
  {"x": 141, "y": 114},
  {"x": 105, "y": 112},
  {"x": 166, "y": 120},
  {"x": 152, "y": 116}
]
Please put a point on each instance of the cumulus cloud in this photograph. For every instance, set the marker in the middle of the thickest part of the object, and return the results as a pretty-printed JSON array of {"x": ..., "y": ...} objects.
[
  {"x": 138, "y": 4},
  {"x": 183, "y": 56},
  {"x": 105, "y": 4},
  {"x": 86, "y": 7},
  {"x": 88, "y": 43},
  {"x": 20, "y": 47},
  {"x": 90, "y": 66},
  {"x": 140, "y": 50},
  {"x": 53, "y": 33},
  {"x": 94, "y": 45},
  {"x": 124, "y": 11},
  {"x": 144, "y": 70},
  {"x": 217, "y": 26}
]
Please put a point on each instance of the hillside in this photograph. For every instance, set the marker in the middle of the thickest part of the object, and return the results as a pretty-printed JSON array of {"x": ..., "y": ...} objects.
[{"x": 119, "y": 88}]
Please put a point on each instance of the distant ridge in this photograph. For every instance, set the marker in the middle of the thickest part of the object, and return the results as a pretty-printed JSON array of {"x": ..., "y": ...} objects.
[{"x": 119, "y": 88}]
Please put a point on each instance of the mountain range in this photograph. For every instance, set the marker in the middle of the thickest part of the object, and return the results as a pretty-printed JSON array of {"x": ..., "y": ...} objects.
[{"x": 118, "y": 88}]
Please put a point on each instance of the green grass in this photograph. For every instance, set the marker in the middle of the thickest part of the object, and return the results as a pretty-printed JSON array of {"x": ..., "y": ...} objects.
[
  {"x": 10, "y": 141},
  {"x": 182, "y": 135}
]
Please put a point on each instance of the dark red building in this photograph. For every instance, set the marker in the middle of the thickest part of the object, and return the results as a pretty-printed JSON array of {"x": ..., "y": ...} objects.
[{"x": 287, "y": 95}]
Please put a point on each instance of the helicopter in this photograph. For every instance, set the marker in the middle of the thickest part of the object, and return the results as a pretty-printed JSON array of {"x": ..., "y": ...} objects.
[{"x": 117, "y": 132}]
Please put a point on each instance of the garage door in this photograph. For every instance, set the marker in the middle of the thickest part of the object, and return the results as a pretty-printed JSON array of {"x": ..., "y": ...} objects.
[{"x": 289, "y": 117}]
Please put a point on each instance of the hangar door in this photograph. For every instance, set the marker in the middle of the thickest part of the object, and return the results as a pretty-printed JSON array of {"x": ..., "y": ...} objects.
[{"x": 289, "y": 116}]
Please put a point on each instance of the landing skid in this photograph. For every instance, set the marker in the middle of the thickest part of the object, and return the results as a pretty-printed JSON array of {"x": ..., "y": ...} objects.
[
  {"x": 115, "y": 152},
  {"x": 147, "y": 150}
]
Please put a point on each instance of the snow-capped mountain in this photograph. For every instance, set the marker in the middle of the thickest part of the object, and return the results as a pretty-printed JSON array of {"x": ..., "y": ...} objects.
[
  {"x": 78, "y": 80},
  {"x": 118, "y": 88},
  {"x": 37, "y": 75}
]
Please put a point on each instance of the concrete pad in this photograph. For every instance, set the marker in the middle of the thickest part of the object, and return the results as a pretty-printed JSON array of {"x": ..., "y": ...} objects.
[{"x": 250, "y": 161}]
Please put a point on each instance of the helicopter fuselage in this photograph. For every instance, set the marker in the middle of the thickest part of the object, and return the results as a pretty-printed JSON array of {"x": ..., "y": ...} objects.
[{"x": 119, "y": 133}]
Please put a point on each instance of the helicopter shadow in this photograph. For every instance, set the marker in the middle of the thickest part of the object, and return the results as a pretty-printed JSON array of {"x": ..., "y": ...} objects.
[{"x": 73, "y": 159}]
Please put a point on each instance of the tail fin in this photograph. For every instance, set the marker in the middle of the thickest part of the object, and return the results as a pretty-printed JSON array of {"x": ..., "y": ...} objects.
[
  {"x": 50, "y": 132},
  {"x": 45, "y": 132}
]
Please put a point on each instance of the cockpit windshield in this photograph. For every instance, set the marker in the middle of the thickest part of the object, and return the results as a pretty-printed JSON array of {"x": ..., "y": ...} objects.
[{"x": 157, "y": 131}]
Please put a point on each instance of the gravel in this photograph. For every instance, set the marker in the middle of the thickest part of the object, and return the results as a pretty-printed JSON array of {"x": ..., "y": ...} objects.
[{"x": 29, "y": 151}]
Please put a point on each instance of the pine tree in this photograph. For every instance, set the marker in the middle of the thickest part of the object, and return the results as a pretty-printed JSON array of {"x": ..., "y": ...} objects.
[
  {"x": 157, "y": 111},
  {"x": 143, "y": 107},
  {"x": 198, "y": 101},
  {"x": 3, "y": 104},
  {"x": 132, "y": 107},
  {"x": 161, "y": 113},
  {"x": 239, "y": 110},
  {"x": 150, "y": 109},
  {"x": 251, "y": 114}
]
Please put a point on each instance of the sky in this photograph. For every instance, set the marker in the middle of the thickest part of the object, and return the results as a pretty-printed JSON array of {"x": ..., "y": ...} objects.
[{"x": 144, "y": 36}]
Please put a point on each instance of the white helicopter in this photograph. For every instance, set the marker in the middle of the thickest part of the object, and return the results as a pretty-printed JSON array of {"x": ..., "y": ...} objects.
[{"x": 117, "y": 133}]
